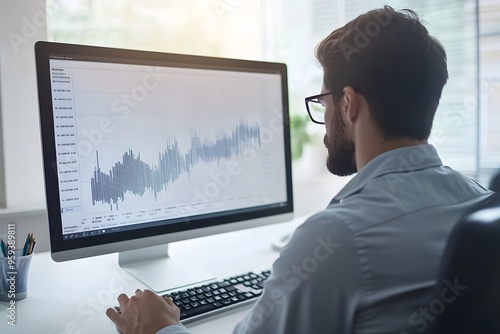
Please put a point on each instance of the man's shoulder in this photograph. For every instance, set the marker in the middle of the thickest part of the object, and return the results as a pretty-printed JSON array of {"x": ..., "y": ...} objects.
[
  {"x": 335, "y": 219},
  {"x": 349, "y": 216},
  {"x": 379, "y": 201}
]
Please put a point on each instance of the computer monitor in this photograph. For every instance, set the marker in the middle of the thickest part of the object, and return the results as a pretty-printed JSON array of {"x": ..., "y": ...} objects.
[{"x": 144, "y": 148}]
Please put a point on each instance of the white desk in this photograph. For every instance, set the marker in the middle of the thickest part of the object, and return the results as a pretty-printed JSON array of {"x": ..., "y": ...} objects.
[{"x": 71, "y": 297}]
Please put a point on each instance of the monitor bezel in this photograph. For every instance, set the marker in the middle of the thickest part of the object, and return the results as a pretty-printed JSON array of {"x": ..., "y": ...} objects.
[{"x": 62, "y": 249}]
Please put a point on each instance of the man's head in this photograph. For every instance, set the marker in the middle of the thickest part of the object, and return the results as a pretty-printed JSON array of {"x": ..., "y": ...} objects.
[{"x": 387, "y": 58}]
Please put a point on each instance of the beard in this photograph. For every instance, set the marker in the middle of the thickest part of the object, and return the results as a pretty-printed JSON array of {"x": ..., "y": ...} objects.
[{"x": 341, "y": 159}]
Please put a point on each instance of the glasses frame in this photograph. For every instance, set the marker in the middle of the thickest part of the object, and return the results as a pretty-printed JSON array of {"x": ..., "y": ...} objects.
[{"x": 315, "y": 99}]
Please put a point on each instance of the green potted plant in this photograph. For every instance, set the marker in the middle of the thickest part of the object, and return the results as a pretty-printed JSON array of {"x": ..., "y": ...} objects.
[{"x": 299, "y": 135}]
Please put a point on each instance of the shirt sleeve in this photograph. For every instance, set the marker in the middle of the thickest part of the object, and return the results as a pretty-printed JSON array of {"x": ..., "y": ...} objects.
[
  {"x": 314, "y": 285},
  {"x": 174, "y": 329}
]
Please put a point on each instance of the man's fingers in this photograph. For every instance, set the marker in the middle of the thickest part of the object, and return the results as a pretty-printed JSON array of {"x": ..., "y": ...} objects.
[
  {"x": 169, "y": 301},
  {"x": 114, "y": 316},
  {"x": 138, "y": 292},
  {"x": 123, "y": 301}
]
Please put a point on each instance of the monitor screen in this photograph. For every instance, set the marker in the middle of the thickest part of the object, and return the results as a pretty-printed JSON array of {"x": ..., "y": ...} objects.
[{"x": 142, "y": 148}]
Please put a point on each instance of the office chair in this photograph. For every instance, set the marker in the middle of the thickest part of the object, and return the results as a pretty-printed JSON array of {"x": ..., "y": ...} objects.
[
  {"x": 468, "y": 287},
  {"x": 495, "y": 183}
]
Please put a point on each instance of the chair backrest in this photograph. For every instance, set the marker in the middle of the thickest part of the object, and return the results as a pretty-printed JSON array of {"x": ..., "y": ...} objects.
[
  {"x": 495, "y": 183},
  {"x": 468, "y": 286}
]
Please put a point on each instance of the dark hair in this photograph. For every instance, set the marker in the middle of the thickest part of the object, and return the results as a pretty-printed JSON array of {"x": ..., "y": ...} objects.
[{"x": 389, "y": 57}]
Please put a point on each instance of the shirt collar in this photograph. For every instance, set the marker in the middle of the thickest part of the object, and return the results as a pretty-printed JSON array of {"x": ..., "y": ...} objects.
[{"x": 400, "y": 160}]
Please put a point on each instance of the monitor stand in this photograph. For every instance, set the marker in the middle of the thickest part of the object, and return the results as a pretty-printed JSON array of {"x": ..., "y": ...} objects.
[{"x": 153, "y": 267}]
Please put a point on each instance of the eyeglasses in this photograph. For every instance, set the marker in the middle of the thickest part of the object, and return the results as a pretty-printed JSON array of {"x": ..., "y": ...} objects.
[{"x": 316, "y": 108}]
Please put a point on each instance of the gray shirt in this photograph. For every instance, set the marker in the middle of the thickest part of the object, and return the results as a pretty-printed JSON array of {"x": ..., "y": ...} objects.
[{"x": 368, "y": 262}]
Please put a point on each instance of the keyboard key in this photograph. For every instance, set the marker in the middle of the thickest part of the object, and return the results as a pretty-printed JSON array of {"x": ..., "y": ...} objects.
[
  {"x": 197, "y": 310},
  {"x": 224, "y": 284}
]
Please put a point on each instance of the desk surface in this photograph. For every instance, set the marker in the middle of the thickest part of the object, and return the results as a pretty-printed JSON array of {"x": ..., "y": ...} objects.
[{"x": 71, "y": 297}]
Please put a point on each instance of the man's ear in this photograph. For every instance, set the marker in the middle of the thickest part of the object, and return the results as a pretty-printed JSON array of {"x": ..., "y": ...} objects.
[{"x": 350, "y": 107}]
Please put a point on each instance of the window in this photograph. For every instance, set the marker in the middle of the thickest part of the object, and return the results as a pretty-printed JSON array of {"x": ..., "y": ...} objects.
[{"x": 489, "y": 87}]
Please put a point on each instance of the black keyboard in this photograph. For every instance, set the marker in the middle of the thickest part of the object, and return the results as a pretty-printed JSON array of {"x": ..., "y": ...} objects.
[{"x": 212, "y": 298}]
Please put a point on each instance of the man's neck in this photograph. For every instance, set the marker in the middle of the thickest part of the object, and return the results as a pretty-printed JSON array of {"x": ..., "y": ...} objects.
[{"x": 365, "y": 153}]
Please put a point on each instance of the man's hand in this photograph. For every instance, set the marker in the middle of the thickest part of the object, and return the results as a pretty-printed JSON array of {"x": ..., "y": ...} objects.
[{"x": 144, "y": 313}]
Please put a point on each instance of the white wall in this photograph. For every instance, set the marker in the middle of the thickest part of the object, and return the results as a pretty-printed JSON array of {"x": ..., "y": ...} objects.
[{"x": 22, "y": 23}]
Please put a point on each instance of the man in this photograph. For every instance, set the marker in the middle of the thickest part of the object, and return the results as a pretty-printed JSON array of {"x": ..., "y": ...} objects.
[{"x": 383, "y": 235}]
